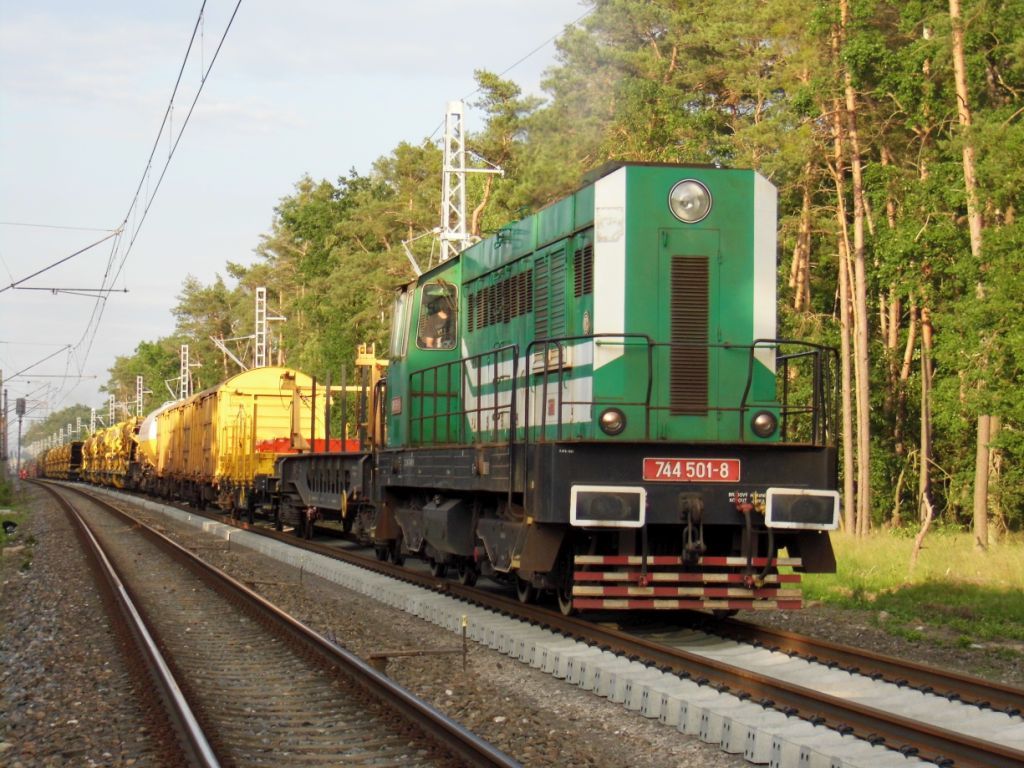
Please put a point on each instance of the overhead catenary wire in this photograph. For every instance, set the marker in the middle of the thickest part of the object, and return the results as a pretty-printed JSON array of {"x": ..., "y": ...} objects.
[
  {"x": 138, "y": 208},
  {"x": 149, "y": 163},
  {"x": 16, "y": 283},
  {"x": 54, "y": 226},
  {"x": 92, "y": 327}
]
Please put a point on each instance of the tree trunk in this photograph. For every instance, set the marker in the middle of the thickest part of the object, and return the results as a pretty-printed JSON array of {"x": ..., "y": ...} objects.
[
  {"x": 981, "y": 483},
  {"x": 963, "y": 110},
  {"x": 924, "y": 484},
  {"x": 860, "y": 301},
  {"x": 902, "y": 378},
  {"x": 799, "y": 273},
  {"x": 849, "y": 489},
  {"x": 924, "y": 494},
  {"x": 926, "y": 523},
  {"x": 998, "y": 527},
  {"x": 846, "y": 372},
  {"x": 478, "y": 212},
  {"x": 974, "y": 223},
  {"x": 839, "y": 179}
]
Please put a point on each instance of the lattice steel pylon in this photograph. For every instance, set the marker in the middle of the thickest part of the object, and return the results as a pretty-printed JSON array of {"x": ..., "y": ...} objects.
[
  {"x": 260, "y": 352},
  {"x": 184, "y": 377},
  {"x": 263, "y": 321},
  {"x": 455, "y": 235}
]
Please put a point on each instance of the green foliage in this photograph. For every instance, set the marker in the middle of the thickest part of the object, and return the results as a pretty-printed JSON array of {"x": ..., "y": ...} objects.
[
  {"x": 158, "y": 364},
  {"x": 55, "y": 422},
  {"x": 6, "y": 498},
  {"x": 750, "y": 83}
]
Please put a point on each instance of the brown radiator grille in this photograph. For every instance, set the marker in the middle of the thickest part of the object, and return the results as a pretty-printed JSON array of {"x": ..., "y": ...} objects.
[{"x": 688, "y": 387}]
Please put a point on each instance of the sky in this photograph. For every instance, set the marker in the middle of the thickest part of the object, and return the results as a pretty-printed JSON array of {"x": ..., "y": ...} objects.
[{"x": 305, "y": 87}]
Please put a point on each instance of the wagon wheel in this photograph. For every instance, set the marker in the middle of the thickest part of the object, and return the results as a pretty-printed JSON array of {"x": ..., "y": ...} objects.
[
  {"x": 467, "y": 573},
  {"x": 438, "y": 569},
  {"x": 564, "y": 582},
  {"x": 395, "y": 553},
  {"x": 525, "y": 591}
]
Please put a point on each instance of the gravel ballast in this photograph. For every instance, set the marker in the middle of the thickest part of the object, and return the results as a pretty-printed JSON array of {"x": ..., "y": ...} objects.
[{"x": 538, "y": 720}]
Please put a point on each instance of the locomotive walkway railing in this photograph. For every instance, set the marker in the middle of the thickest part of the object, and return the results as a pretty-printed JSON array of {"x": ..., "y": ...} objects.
[{"x": 492, "y": 397}]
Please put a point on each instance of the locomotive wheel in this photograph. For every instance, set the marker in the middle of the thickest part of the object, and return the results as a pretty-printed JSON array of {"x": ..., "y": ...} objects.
[
  {"x": 438, "y": 570},
  {"x": 395, "y": 553},
  {"x": 564, "y": 580},
  {"x": 381, "y": 553},
  {"x": 467, "y": 574},
  {"x": 565, "y": 600},
  {"x": 525, "y": 591}
]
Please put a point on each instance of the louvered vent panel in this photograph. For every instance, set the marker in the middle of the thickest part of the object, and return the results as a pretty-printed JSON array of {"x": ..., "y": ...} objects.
[
  {"x": 583, "y": 267},
  {"x": 557, "y": 310},
  {"x": 506, "y": 299},
  {"x": 688, "y": 388},
  {"x": 489, "y": 318},
  {"x": 540, "y": 301}
]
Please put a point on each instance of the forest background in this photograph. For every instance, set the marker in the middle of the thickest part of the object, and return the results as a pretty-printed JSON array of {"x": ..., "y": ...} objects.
[{"x": 894, "y": 132}]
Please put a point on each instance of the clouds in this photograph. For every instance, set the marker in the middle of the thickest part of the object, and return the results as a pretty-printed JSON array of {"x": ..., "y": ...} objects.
[
  {"x": 49, "y": 58},
  {"x": 301, "y": 87}
]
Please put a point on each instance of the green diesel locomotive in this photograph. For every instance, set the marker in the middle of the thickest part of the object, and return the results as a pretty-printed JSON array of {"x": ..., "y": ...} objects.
[{"x": 593, "y": 403}]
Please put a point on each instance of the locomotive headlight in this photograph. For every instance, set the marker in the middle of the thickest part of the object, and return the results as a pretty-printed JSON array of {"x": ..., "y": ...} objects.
[
  {"x": 689, "y": 201},
  {"x": 612, "y": 421},
  {"x": 764, "y": 423}
]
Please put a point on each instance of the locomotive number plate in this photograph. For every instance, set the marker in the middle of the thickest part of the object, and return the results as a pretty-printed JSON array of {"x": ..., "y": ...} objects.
[{"x": 692, "y": 470}]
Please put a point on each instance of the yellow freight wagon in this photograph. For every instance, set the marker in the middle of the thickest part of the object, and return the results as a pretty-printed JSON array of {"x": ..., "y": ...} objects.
[
  {"x": 92, "y": 458},
  {"x": 118, "y": 454},
  {"x": 211, "y": 447},
  {"x": 63, "y": 462}
]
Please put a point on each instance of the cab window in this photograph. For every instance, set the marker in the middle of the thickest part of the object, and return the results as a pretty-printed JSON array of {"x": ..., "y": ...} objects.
[
  {"x": 437, "y": 323},
  {"x": 399, "y": 325}
]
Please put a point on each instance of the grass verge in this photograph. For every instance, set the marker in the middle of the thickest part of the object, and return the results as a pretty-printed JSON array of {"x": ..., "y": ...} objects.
[{"x": 973, "y": 596}]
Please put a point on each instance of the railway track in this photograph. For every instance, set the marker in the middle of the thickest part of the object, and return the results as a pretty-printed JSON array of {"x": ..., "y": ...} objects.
[
  {"x": 785, "y": 682},
  {"x": 246, "y": 683},
  {"x": 984, "y": 694}
]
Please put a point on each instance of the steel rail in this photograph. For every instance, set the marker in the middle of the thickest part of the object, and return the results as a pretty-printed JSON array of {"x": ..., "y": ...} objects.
[
  {"x": 450, "y": 736},
  {"x": 191, "y": 738},
  {"x": 971, "y": 690}
]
